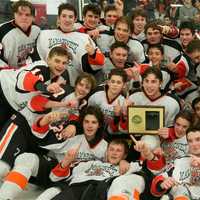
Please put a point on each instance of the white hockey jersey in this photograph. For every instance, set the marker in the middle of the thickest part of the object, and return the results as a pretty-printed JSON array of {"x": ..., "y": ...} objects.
[
  {"x": 75, "y": 42},
  {"x": 15, "y": 45},
  {"x": 171, "y": 105}
]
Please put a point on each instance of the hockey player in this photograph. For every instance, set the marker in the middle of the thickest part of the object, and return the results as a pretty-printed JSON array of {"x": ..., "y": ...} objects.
[
  {"x": 196, "y": 109},
  {"x": 185, "y": 71},
  {"x": 89, "y": 174},
  {"x": 33, "y": 127},
  {"x": 152, "y": 95},
  {"x": 122, "y": 34},
  {"x": 108, "y": 97},
  {"x": 117, "y": 59},
  {"x": 86, "y": 55},
  {"x": 91, "y": 146},
  {"x": 182, "y": 179},
  {"x": 18, "y": 86},
  {"x": 173, "y": 140},
  {"x": 154, "y": 35},
  {"x": 18, "y": 36}
]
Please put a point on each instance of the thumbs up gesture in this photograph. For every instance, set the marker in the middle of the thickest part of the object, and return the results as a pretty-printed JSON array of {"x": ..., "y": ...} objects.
[
  {"x": 90, "y": 47},
  {"x": 117, "y": 108}
]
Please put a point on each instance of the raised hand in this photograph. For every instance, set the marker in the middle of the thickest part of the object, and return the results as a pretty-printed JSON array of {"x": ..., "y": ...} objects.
[
  {"x": 117, "y": 108},
  {"x": 163, "y": 132},
  {"x": 89, "y": 47},
  {"x": 70, "y": 156}
]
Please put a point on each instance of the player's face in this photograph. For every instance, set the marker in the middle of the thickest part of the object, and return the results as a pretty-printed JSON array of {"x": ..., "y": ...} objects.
[
  {"x": 181, "y": 125},
  {"x": 195, "y": 56},
  {"x": 194, "y": 142},
  {"x": 151, "y": 85},
  {"x": 23, "y": 18},
  {"x": 91, "y": 20},
  {"x": 119, "y": 57},
  {"x": 66, "y": 20},
  {"x": 153, "y": 36},
  {"x": 111, "y": 17},
  {"x": 197, "y": 109},
  {"x": 139, "y": 23},
  {"x": 155, "y": 56},
  {"x": 115, "y": 85},
  {"x": 115, "y": 153},
  {"x": 90, "y": 126},
  {"x": 57, "y": 64},
  {"x": 121, "y": 32},
  {"x": 82, "y": 88},
  {"x": 186, "y": 37}
]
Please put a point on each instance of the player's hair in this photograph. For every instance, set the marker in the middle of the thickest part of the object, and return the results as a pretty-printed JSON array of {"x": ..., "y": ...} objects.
[
  {"x": 153, "y": 70},
  {"x": 193, "y": 46},
  {"x": 88, "y": 77},
  {"x": 23, "y": 3},
  {"x": 118, "y": 44},
  {"x": 187, "y": 25},
  {"x": 109, "y": 7},
  {"x": 93, "y": 8},
  {"x": 123, "y": 20},
  {"x": 67, "y": 6},
  {"x": 59, "y": 51},
  {"x": 154, "y": 26},
  {"x": 118, "y": 72},
  {"x": 195, "y": 101},
  {"x": 92, "y": 110},
  {"x": 120, "y": 142},
  {"x": 156, "y": 46}
]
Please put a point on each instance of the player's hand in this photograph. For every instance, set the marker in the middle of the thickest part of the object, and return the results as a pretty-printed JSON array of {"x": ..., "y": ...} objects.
[
  {"x": 163, "y": 132},
  {"x": 117, "y": 108},
  {"x": 68, "y": 132},
  {"x": 123, "y": 166},
  {"x": 54, "y": 88},
  {"x": 168, "y": 183},
  {"x": 94, "y": 34},
  {"x": 70, "y": 156},
  {"x": 195, "y": 161}
]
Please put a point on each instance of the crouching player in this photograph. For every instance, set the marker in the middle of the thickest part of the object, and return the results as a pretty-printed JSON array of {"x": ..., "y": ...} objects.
[
  {"x": 135, "y": 185},
  {"x": 183, "y": 179}
]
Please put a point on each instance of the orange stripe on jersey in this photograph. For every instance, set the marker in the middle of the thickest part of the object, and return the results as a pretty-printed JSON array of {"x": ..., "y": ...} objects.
[
  {"x": 136, "y": 195},
  {"x": 118, "y": 197},
  {"x": 29, "y": 81},
  {"x": 98, "y": 60},
  {"x": 38, "y": 102},
  {"x": 61, "y": 172},
  {"x": 9, "y": 133},
  {"x": 17, "y": 178},
  {"x": 181, "y": 198}
]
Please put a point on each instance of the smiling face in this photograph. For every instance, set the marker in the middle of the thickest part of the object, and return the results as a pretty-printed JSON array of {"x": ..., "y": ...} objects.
[
  {"x": 181, "y": 125},
  {"x": 82, "y": 88},
  {"x": 90, "y": 126},
  {"x": 151, "y": 85},
  {"x": 115, "y": 85},
  {"x": 91, "y": 20},
  {"x": 122, "y": 32},
  {"x": 57, "y": 64},
  {"x": 139, "y": 23},
  {"x": 186, "y": 37},
  {"x": 66, "y": 20},
  {"x": 23, "y": 17},
  {"x": 155, "y": 56},
  {"x": 115, "y": 153},
  {"x": 193, "y": 138},
  {"x": 119, "y": 57}
]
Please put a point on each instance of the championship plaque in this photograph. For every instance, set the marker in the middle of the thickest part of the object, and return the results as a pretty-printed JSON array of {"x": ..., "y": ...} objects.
[{"x": 145, "y": 119}]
